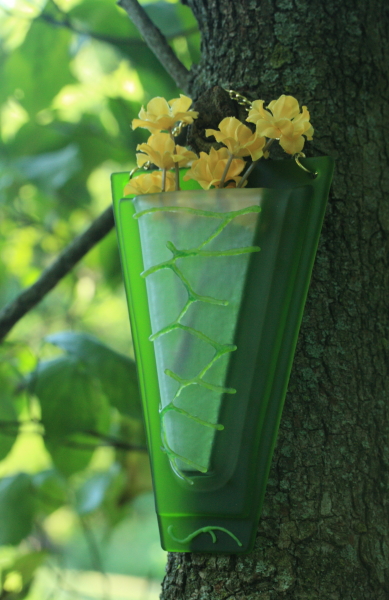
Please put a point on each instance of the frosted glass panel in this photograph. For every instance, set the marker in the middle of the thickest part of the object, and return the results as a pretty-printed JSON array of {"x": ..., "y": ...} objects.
[{"x": 196, "y": 251}]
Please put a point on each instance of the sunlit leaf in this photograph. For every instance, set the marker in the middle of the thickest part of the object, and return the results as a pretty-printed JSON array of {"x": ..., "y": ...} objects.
[
  {"x": 116, "y": 372},
  {"x": 26, "y": 565},
  {"x": 103, "y": 17},
  {"x": 39, "y": 68}
]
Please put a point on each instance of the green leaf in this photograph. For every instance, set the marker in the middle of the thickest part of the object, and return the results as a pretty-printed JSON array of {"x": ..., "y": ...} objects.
[
  {"x": 72, "y": 402},
  {"x": 51, "y": 491},
  {"x": 116, "y": 372},
  {"x": 93, "y": 492},
  {"x": 16, "y": 508},
  {"x": 26, "y": 565},
  {"x": 103, "y": 17},
  {"x": 39, "y": 68},
  {"x": 153, "y": 80},
  {"x": 70, "y": 454},
  {"x": 8, "y": 427},
  {"x": 52, "y": 169},
  {"x": 110, "y": 260},
  {"x": 35, "y": 139}
]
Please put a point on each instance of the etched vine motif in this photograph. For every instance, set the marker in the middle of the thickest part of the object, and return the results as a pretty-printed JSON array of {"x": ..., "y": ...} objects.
[
  {"x": 193, "y": 296},
  {"x": 209, "y": 529}
]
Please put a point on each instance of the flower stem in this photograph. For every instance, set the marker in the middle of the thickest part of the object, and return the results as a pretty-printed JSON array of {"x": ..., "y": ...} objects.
[
  {"x": 176, "y": 167},
  {"x": 228, "y": 164},
  {"x": 251, "y": 167},
  {"x": 164, "y": 180}
]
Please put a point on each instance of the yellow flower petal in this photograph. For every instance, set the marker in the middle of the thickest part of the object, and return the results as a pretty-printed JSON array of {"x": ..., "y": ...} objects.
[
  {"x": 286, "y": 107},
  {"x": 257, "y": 112},
  {"x": 301, "y": 123},
  {"x": 238, "y": 138},
  {"x": 292, "y": 145},
  {"x": 142, "y": 159},
  {"x": 149, "y": 183},
  {"x": 162, "y": 115},
  {"x": 209, "y": 168},
  {"x": 309, "y": 133},
  {"x": 157, "y": 106},
  {"x": 265, "y": 129},
  {"x": 183, "y": 156},
  {"x": 146, "y": 125},
  {"x": 282, "y": 120},
  {"x": 159, "y": 150},
  {"x": 180, "y": 104}
]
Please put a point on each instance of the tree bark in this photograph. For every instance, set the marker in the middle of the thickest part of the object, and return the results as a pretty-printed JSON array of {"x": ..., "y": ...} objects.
[{"x": 324, "y": 532}]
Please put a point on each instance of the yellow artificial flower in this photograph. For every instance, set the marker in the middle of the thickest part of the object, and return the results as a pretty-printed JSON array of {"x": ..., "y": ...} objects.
[
  {"x": 283, "y": 121},
  {"x": 209, "y": 168},
  {"x": 149, "y": 183},
  {"x": 293, "y": 142},
  {"x": 238, "y": 138},
  {"x": 161, "y": 150},
  {"x": 162, "y": 115}
]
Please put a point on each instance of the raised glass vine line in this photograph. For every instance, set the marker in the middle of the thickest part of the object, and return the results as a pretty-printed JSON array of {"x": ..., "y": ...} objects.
[
  {"x": 209, "y": 529},
  {"x": 192, "y": 297}
]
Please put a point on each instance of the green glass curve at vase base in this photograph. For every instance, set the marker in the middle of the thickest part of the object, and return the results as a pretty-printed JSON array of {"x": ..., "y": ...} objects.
[{"x": 216, "y": 284}]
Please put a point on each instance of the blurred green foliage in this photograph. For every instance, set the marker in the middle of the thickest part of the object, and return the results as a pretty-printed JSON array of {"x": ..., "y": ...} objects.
[{"x": 73, "y": 468}]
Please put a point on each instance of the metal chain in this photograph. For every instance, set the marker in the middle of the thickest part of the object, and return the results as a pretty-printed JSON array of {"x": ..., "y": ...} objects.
[
  {"x": 242, "y": 100},
  {"x": 178, "y": 127}
]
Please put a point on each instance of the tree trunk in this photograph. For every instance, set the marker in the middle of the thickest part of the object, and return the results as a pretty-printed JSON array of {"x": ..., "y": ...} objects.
[{"x": 324, "y": 532}]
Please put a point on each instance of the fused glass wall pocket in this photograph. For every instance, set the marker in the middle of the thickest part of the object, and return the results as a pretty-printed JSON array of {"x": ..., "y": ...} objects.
[{"x": 216, "y": 284}]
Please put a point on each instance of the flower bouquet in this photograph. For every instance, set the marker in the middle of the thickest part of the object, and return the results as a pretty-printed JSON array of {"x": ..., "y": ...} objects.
[{"x": 217, "y": 256}]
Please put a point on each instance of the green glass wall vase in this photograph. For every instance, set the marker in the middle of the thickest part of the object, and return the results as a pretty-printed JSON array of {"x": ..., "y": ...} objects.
[{"x": 216, "y": 284}]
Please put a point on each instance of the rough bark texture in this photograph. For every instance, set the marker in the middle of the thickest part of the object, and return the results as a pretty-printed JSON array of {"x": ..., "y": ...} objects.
[{"x": 324, "y": 533}]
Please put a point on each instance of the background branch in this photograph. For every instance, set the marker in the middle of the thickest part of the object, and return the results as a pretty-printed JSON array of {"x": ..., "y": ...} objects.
[
  {"x": 153, "y": 37},
  {"x": 110, "y": 39},
  {"x": 157, "y": 43},
  {"x": 68, "y": 258},
  {"x": 13, "y": 428},
  {"x": 66, "y": 23},
  {"x": 31, "y": 296}
]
